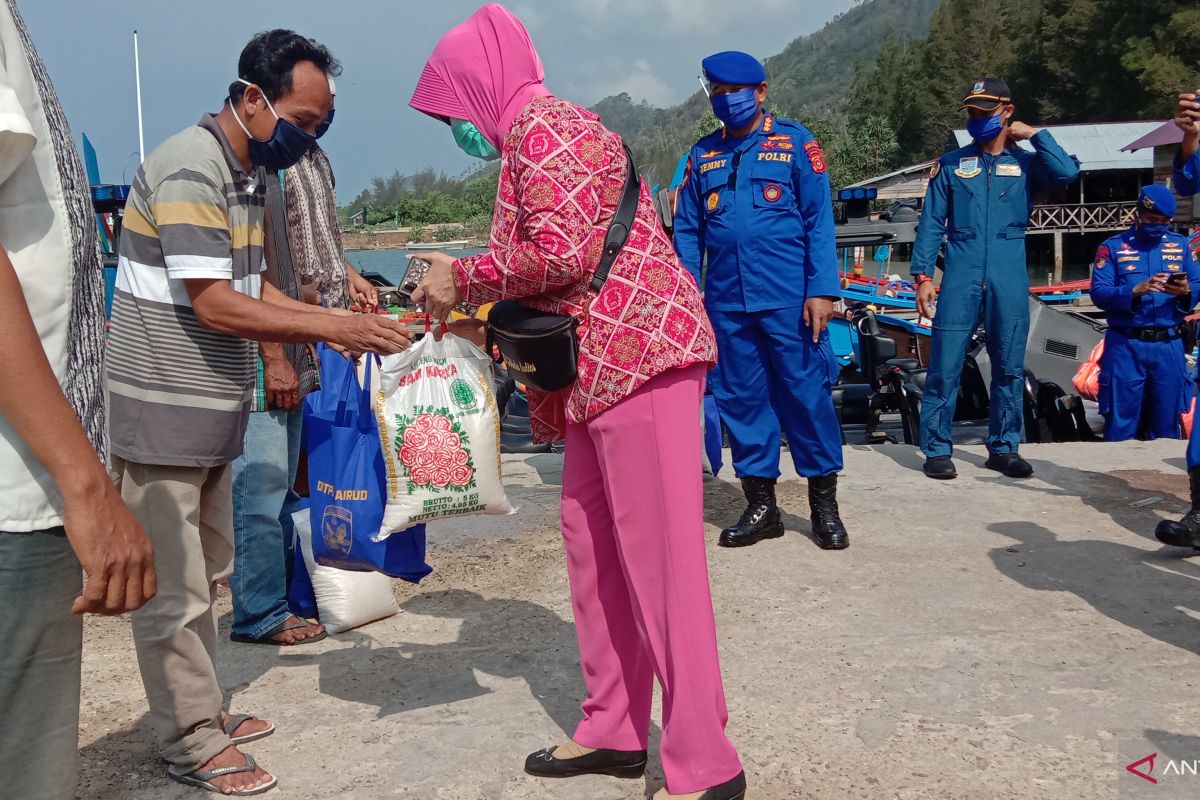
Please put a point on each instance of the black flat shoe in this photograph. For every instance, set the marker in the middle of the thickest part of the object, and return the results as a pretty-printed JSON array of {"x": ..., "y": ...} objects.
[
  {"x": 732, "y": 789},
  {"x": 617, "y": 763},
  {"x": 1009, "y": 464}
]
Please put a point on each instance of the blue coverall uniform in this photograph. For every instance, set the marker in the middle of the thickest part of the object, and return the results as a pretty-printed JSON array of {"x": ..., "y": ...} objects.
[
  {"x": 1186, "y": 180},
  {"x": 760, "y": 207},
  {"x": 1135, "y": 372},
  {"x": 980, "y": 204}
]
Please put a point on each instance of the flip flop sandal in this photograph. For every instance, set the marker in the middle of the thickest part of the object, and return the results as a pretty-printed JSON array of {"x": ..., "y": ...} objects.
[
  {"x": 235, "y": 722},
  {"x": 287, "y": 626},
  {"x": 202, "y": 780}
]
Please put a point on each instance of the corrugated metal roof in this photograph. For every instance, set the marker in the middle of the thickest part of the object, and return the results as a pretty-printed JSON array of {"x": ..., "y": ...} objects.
[
  {"x": 1097, "y": 146},
  {"x": 922, "y": 167}
]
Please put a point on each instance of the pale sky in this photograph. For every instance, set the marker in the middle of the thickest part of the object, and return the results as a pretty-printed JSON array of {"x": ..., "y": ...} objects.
[{"x": 189, "y": 51}]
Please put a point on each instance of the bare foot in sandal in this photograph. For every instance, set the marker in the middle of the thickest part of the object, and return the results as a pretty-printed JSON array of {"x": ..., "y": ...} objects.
[
  {"x": 291, "y": 632},
  {"x": 296, "y": 630},
  {"x": 248, "y": 729},
  {"x": 236, "y": 774}
]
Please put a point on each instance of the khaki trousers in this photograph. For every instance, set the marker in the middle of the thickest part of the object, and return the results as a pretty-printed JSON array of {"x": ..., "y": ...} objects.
[{"x": 188, "y": 514}]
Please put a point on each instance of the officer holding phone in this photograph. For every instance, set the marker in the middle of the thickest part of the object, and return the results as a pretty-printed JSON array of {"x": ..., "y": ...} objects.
[{"x": 1147, "y": 279}]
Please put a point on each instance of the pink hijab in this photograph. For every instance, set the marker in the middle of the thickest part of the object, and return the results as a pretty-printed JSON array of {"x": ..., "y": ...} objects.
[{"x": 484, "y": 71}]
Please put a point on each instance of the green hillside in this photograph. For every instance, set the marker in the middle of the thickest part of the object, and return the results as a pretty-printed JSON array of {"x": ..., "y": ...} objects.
[{"x": 812, "y": 77}]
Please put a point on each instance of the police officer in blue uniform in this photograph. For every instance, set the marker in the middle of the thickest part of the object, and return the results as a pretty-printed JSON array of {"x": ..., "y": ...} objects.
[
  {"x": 1186, "y": 181},
  {"x": 756, "y": 201},
  {"x": 978, "y": 201},
  {"x": 1147, "y": 281}
]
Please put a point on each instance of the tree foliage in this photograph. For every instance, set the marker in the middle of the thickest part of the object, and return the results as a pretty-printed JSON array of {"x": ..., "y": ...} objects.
[{"x": 880, "y": 86}]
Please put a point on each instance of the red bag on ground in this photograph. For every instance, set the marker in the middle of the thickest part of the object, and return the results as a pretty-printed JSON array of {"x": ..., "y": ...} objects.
[{"x": 1087, "y": 379}]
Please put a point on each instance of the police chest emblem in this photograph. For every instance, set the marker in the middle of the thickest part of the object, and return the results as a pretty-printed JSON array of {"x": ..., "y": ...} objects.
[
  {"x": 967, "y": 168},
  {"x": 714, "y": 198},
  {"x": 772, "y": 193},
  {"x": 1008, "y": 170}
]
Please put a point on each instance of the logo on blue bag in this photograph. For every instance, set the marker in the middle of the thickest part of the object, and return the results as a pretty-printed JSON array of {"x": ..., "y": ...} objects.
[{"x": 337, "y": 529}]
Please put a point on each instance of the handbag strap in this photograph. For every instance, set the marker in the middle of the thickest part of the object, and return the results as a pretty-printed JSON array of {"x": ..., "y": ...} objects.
[{"x": 622, "y": 223}]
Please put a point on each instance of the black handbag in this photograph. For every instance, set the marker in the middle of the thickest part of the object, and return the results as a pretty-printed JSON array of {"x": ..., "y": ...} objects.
[{"x": 540, "y": 349}]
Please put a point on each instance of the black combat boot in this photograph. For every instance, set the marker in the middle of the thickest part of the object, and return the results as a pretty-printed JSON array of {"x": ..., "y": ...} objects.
[
  {"x": 826, "y": 523},
  {"x": 761, "y": 518},
  {"x": 1186, "y": 532}
]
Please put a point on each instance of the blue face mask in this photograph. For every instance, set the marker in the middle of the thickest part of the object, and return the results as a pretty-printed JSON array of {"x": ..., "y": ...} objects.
[
  {"x": 984, "y": 129},
  {"x": 471, "y": 141},
  {"x": 287, "y": 144},
  {"x": 1151, "y": 232},
  {"x": 737, "y": 109}
]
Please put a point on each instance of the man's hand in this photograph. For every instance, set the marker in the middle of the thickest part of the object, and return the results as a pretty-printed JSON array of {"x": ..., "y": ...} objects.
[
  {"x": 111, "y": 546},
  {"x": 1177, "y": 288},
  {"x": 282, "y": 384},
  {"x": 1154, "y": 284},
  {"x": 437, "y": 288},
  {"x": 1019, "y": 131},
  {"x": 364, "y": 295},
  {"x": 817, "y": 313},
  {"x": 926, "y": 296},
  {"x": 1187, "y": 114},
  {"x": 371, "y": 333}
]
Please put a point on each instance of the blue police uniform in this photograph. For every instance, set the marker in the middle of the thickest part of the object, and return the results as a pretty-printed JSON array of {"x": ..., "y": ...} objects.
[
  {"x": 980, "y": 204},
  {"x": 1186, "y": 175},
  {"x": 1143, "y": 362},
  {"x": 760, "y": 207}
]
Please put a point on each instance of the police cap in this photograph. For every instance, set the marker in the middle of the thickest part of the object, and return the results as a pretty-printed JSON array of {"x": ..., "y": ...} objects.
[
  {"x": 734, "y": 67},
  {"x": 1155, "y": 199},
  {"x": 986, "y": 94}
]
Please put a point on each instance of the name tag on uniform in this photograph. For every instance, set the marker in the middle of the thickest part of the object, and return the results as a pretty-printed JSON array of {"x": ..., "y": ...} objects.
[{"x": 1008, "y": 170}]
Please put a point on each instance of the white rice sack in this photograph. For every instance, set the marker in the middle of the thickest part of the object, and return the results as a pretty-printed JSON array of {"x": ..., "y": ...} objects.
[
  {"x": 345, "y": 599},
  {"x": 440, "y": 432}
]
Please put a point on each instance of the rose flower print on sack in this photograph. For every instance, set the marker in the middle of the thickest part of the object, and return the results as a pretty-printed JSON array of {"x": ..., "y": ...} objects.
[
  {"x": 432, "y": 447},
  {"x": 440, "y": 431}
]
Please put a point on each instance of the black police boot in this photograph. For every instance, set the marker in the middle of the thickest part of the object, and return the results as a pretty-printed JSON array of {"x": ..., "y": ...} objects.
[
  {"x": 940, "y": 468},
  {"x": 826, "y": 523},
  {"x": 1010, "y": 464},
  {"x": 760, "y": 520},
  {"x": 1186, "y": 532}
]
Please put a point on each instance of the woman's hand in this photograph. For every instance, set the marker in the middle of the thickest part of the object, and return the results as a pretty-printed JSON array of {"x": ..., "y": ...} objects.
[
  {"x": 437, "y": 288},
  {"x": 471, "y": 329}
]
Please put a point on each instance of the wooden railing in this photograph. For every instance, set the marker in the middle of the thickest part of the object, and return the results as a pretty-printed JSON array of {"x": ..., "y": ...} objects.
[{"x": 1081, "y": 218}]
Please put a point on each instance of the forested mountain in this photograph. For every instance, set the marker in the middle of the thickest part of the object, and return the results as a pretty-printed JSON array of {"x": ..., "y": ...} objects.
[{"x": 880, "y": 85}]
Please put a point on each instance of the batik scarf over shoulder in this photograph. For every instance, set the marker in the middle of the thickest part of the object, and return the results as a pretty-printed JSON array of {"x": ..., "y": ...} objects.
[
  {"x": 313, "y": 229},
  {"x": 85, "y": 338}
]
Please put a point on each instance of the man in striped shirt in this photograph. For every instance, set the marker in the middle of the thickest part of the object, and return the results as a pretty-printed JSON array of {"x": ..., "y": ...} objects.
[{"x": 181, "y": 361}]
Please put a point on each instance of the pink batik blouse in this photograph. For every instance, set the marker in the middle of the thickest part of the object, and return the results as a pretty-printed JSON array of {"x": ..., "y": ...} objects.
[{"x": 562, "y": 174}]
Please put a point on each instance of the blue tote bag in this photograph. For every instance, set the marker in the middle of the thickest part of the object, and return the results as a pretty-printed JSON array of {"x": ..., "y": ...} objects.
[{"x": 346, "y": 477}]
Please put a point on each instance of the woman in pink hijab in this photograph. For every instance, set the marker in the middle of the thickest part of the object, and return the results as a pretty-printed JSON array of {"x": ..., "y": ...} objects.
[{"x": 632, "y": 499}]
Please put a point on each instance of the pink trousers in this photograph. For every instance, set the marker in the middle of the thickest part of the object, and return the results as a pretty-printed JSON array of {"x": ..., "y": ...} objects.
[{"x": 633, "y": 525}]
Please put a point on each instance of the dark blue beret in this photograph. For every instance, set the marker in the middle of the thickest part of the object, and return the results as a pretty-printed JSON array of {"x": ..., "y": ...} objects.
[
  {"x": 733, "y": 66},
  {"x": 1157, "y": 199}
]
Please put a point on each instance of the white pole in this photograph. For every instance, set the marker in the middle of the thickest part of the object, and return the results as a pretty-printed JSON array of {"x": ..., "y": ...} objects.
[{"x": 137, "y": 72}]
